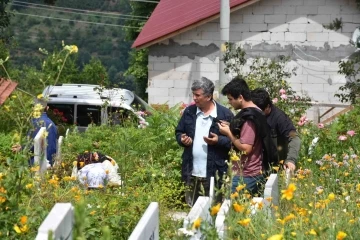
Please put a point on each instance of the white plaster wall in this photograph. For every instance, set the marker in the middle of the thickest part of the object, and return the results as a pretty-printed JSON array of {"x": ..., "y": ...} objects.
[{"x": 282, "y": 22}]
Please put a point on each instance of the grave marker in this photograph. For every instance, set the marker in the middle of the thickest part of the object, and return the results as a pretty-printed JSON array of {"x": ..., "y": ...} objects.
[
  {"x": 59, "y": 221},
  {"x": 148, "y": 226},
  {"x": 40, "y": 150}
]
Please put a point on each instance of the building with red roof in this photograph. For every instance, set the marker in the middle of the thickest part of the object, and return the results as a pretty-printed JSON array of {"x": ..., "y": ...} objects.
[{"x": 183, "y": 38}]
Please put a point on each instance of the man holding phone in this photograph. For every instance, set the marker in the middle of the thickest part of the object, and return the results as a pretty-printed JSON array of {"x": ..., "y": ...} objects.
[{"x": 205, "y": 149}]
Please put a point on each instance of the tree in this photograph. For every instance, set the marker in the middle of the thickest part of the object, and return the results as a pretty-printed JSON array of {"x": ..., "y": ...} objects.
[
  {"x": 138, "y": 58},
  {"x": 94, "y": 73},
  {"x": 4, "y": 21}
]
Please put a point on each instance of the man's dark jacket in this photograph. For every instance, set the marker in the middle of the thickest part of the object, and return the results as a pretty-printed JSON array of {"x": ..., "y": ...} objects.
[{"x": 217, "y": 154}]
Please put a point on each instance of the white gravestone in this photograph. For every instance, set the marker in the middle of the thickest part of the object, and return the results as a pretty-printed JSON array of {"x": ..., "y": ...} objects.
[
  {"x": 272, "y": 189},
  {"x": 40, "y": 150},
  {"x": 212, "y": 189},
  {"x": 148, "y": 226},
  {"x": 220, "y": 218},
  {"x": 58, "y": 151},
  {"x": 67, "y": 133},
  {"x": 59, "y": 221}
]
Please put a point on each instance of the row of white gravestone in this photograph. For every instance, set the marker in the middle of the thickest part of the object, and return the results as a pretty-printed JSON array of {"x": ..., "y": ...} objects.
[{"x": 203, "y": 204}]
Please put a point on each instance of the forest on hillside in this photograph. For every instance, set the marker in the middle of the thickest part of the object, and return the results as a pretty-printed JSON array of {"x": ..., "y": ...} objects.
[{"x": 97, "y": 28}]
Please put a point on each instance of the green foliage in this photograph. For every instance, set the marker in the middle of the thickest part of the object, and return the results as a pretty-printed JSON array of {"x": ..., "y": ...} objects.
[
  {"x": 138, "y": 69},
  {"x": 335, "y": 24},
  {"x": 94, "y": 73},
  {"x": 351, "y": 89}
]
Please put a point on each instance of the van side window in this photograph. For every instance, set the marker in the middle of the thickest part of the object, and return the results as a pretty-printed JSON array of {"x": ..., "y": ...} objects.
[
  {"x": 65, "y": 112},
  {"x": 87, "y": 114},
  {"x": 120, "y": 116}
]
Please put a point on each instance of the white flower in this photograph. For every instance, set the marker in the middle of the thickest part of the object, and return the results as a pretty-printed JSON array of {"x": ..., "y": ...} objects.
[{"x": 89, "y": 206}]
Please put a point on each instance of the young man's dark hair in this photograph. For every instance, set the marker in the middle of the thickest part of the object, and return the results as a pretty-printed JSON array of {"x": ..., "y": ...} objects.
[
  {"x": 237, "y": 87},
  {"x": 261, "y": 98}
]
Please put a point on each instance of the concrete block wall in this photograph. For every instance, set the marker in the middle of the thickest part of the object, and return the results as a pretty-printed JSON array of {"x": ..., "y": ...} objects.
[{"x": 267, "y": 28}]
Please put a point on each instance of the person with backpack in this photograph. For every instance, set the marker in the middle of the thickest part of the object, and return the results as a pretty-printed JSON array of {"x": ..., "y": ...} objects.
[
  {"x": 250, "y": 136},
  {"x": 283, "y": 131}
]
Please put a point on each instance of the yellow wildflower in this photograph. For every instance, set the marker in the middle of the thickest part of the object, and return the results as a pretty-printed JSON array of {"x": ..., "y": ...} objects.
[
  {"x": 77, "y": 197},
  {"x": 92, "y": 212},
  {"x": 73, "y": 49},
  {"x": 36, "y": 114},
  {"x": 276, "y": 237},
  {"x": 215, "y": 209},
  {"x": 13, "y": 96},
  {"x": 38, "y": 107},
  {"x": 113, "y": 162},
  {"x": 35, "y": 169},
  {"x": 293, "y": 234},
  {"x": 196, "y": 223},
  {"x": 24, "y": 228},
  {"x": 7, "y": 108},
  {"x": 240, "y": 187},
  {"x": 100, "y": 186},
  {"x": 341, "y": 235},
  {"x": 244, "y": 222},
  {"x": 28, "y": 186},
  {"x": 331, "y": 196},
  {"x": 352, "y": 221},
  {"x": 289, "y": 192},
  {"x": 17, "y": 229},
  {"x": 81, "y": 164},
  {"x": 23, "y": 220},
  {"x": 275, "y": 168},
  {"x": 2, "y": 199},
  {"x": 74, "y": 163},
  {"x": 312, "y": 232},
  {"x": 238, "y": 207},
  {"x": 39, "y": 96},
  {"x": 234, "y": 195},
  {"x": 107, "y": 171}
]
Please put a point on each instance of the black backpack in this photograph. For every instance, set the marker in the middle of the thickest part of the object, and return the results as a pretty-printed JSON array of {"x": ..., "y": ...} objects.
[{"x": 270, "y": 154}]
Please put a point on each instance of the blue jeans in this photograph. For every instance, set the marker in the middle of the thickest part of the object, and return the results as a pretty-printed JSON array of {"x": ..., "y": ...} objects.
[{"x": 253, "y": 184}]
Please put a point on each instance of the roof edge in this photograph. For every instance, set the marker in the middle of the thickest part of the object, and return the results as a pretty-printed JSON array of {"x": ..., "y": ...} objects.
[{"x": 194, "y": 25}]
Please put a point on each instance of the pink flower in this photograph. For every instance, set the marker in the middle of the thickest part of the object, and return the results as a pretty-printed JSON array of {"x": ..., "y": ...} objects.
[
  {"x": 320, "y": 125},
  {"x": 342, "y": 138},
  {"x": 303, "y": 118},
  {"x": 275, "y": 100},
  {"x": 283, "y": 96},
  {"x": 351, "y": 133},
  {"x": 282, "y": 91},
  {"x": 301, "y": 123}
]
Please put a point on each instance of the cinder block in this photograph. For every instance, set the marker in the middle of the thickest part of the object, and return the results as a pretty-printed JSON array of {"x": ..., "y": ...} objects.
[
  {"x": 317, "y": 37},
  {"x": 235, "y": 36},
  {"x": 158, "y": 59},
  {"x": 348, "y": 10},
  {"x": 297, "y": 27},
  {"x": 243, "y": 27},
  {"x": 163, "y": 92},
  {"x": 355, "y": 18},
  {"x": 279, "y": 36},
  {"x": 339, "y": 37},
  {"x": 319, "y": 19},
  {"x": 295, "y": 37},
  {"x": 175, "y": 59},
  {"x": 314, "y": 27},
  {"x": 207, "y": 67},
  {"x": 278, "y": 28},
  {"x": 306, "y": 10},
  {"x": 349, "y": 27},
  {"x": 209, "y": 27},
  {"x": 320, "y": 79},
  {"x": 313, "y": 87},
  {"x": 179, "y": 100},
  {"x": 191, "y": 35},
  {"x": 184, "y": 67},
  {"x": 236, "y": 17},
  {"x": 259, "y": 18},
  {"x": 161, "y": 100},
  {"x": 263, "y": 10},
  {"x": 276, "y": 18},
  {"x": 299, "y": 79},
  {"x": 337, "y": 2},
  {"x": 210, "y": 36},
  {"x": 150, "y": 66},
  {"x": 182, "y": 84},
  {"x": 179, "y": 92},
  {"x": 158, "y": 75},
  {"x": 162, "y": 66},
  {"x": 156, "y": 83},
  {"x": 179, "y": 75},
  {"x": 297, "y": 87},
  {"x": 252, "y": 36},
  {"x": 285, "y": 10},
  {"x": 258, "y": 27},
  {"x": 296, "y": 19},
  {"x": 270, "y": 3},
  {"x": 314, "y": 2},
  {"x": 292, "y": 2},
  {"x": 328, "y": 9}
]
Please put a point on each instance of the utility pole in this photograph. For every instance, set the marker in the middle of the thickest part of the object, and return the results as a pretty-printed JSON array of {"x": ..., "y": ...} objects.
[{"x": 224, "y": 37}]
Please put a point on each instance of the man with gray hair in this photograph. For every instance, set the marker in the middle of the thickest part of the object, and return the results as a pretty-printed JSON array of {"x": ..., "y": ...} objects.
[{"x": 205, "y": 149}]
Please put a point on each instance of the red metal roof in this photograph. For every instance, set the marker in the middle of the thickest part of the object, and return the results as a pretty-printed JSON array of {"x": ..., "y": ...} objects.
[
  {"x": 6, "y": 88},
  {"x": 172, "y": 15}
]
